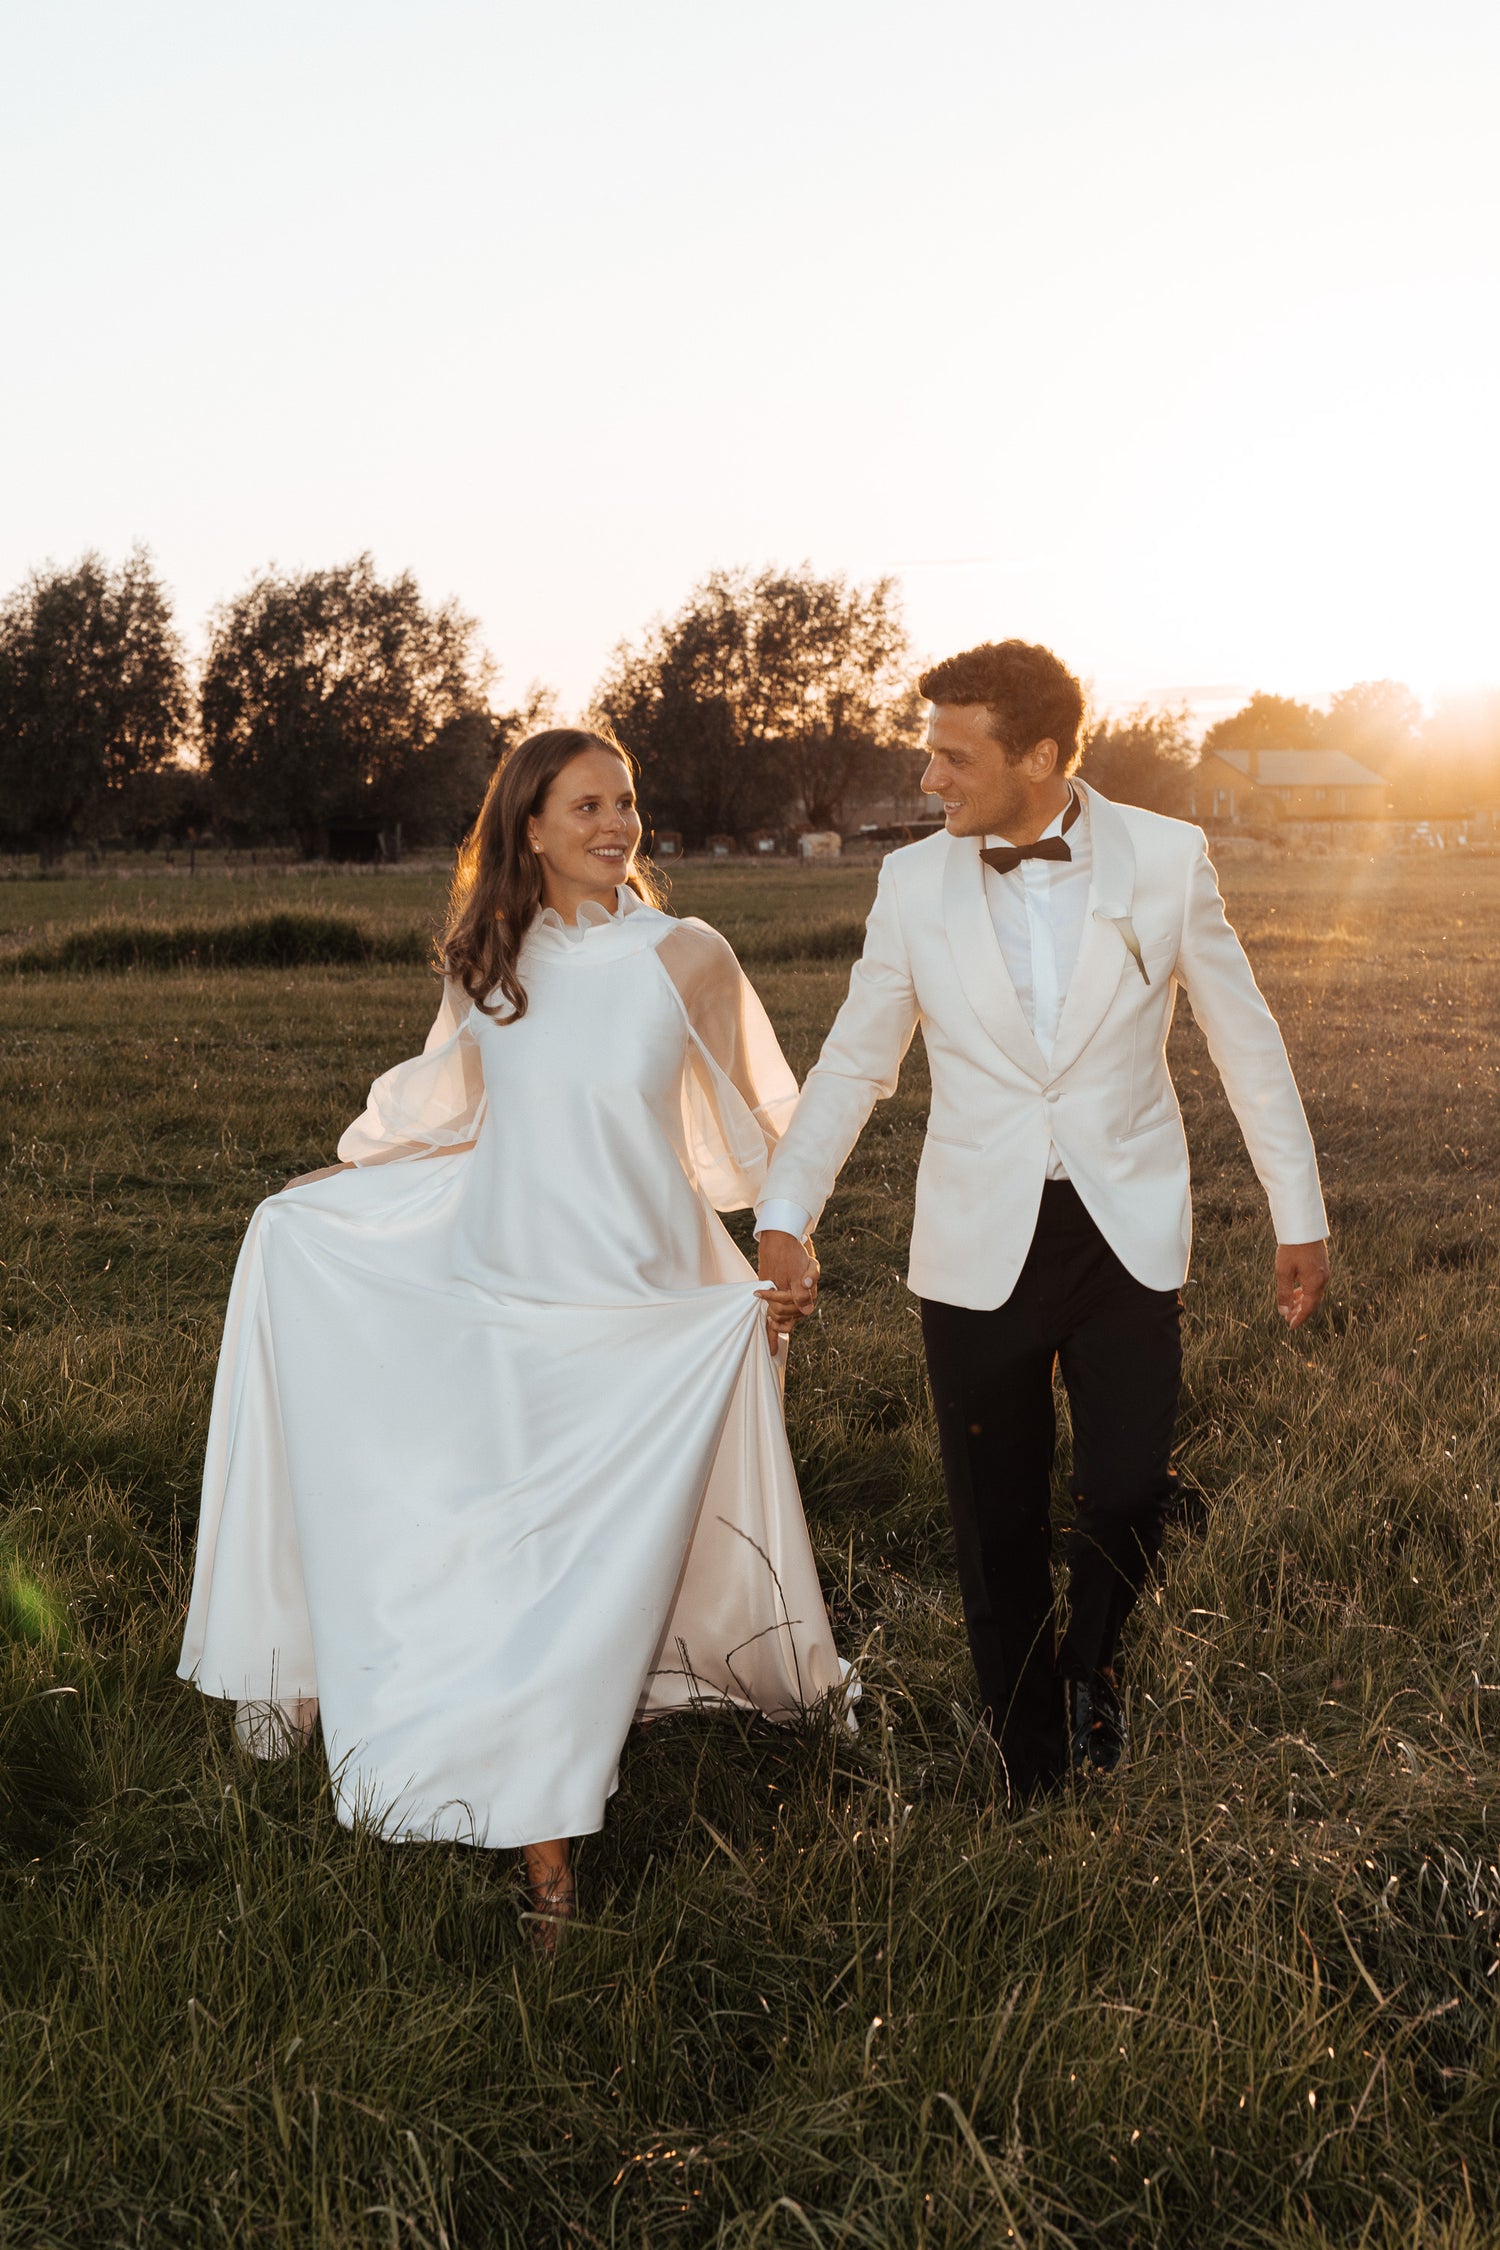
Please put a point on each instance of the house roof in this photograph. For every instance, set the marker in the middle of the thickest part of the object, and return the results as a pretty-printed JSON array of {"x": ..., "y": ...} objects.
[{"x": 1293, "y": 769}]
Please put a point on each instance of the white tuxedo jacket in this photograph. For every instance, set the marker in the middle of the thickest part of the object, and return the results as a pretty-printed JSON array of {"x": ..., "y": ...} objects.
[{"x": 1154, "y": 921}]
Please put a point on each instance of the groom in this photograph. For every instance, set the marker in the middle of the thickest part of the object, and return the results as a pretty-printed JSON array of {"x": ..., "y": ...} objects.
[{"x": 1038, "y": 942}]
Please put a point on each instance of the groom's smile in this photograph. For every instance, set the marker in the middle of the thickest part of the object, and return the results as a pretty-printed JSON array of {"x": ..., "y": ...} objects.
[{"x": 985, "y": 788}]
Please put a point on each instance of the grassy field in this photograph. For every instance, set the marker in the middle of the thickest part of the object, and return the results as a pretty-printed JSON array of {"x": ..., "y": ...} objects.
[{"x": 826, "y": 1991}]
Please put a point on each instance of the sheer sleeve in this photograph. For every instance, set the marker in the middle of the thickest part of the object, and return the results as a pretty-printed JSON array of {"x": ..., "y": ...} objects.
[
  {"x": 431, "y": 1104},
  {"x": 738, "y": 1091}
]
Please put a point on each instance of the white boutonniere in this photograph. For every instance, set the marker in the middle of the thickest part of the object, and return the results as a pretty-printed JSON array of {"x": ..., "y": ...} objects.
[{"x": 1132, "y": 943}]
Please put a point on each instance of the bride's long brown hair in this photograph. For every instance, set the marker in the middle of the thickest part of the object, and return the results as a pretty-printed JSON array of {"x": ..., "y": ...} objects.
[{"x": 497, "y": 883}]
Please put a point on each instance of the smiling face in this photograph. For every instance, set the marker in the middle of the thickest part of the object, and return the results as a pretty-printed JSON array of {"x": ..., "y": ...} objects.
[
  {"x": 587, "y": 832},
  {"x": 985, "y": 791}
]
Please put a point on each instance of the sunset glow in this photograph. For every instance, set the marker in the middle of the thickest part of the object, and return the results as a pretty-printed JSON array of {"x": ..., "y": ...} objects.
[{"x": 1166, "y": 334}]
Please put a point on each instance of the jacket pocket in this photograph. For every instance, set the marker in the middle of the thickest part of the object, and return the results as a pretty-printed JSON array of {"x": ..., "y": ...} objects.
[
  {"x": 1160, "y": 953},
  {"x": 1153, "y": 1124}
]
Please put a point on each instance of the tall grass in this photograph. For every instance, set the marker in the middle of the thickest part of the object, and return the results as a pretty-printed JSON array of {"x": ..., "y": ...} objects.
[
  {"x": 826, "y": 1991},
  {"x": 240, "y": 941},
  {"x": 316, "y": 939}
]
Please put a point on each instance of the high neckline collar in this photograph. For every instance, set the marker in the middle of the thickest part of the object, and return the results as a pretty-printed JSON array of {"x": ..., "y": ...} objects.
[{"x": 591, "y": 915}]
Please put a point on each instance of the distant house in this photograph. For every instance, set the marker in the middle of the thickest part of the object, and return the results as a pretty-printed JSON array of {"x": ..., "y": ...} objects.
[{"x": 1239, "y": 785}]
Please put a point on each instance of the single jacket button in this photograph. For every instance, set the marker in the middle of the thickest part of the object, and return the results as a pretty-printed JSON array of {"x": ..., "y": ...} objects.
[{"x": 1051, "y": 1093}]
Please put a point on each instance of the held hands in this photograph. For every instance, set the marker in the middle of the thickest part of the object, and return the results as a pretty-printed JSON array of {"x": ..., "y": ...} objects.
[
  {"x": 792, "y": 1270},
  {"x": 1301, "y": 1280}
]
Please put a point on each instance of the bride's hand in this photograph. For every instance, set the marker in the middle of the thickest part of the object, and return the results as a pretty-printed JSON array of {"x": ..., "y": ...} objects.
[
  {"x": 304, "y": 1179},
  {"x": 792, "y": 1272},
  {"x": 791, "y": 1268},
  {"x": 782, "y": 1316}
]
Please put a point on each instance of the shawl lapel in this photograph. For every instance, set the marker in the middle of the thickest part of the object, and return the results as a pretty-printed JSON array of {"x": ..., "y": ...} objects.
[
  {"x": 978, "y": 959},
  {"x": 1103, "y": 956}
]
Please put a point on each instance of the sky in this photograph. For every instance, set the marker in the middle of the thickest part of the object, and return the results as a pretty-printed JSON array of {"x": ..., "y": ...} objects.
[{"x": 1166, "y": 333}]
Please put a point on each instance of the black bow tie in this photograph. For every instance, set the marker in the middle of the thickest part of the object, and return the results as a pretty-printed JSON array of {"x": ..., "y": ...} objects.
[{"x": 1003, "y": 857}]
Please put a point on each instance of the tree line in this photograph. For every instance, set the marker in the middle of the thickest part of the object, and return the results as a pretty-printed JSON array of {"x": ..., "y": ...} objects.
[
  {"x": 327, "y": 699},
  {"x": 336, "y": 703}
]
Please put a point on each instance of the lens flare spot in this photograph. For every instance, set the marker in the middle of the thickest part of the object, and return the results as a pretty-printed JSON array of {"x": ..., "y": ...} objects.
[{"x": 28, "y": 1612}]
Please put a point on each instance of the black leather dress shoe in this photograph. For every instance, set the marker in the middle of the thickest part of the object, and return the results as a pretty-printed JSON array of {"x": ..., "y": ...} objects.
[{"x": 1100, "y": 1741}]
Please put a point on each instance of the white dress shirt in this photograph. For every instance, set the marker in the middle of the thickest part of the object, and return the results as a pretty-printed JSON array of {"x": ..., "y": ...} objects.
[{"x": 1038, "y": 910}]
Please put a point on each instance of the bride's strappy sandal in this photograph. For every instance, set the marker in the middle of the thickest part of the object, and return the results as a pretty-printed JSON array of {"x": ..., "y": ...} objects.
[{"x": 554, "y": 1902}]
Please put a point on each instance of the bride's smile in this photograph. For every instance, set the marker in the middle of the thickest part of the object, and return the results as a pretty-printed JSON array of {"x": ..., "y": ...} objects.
[{"x": 586, "y": 834}]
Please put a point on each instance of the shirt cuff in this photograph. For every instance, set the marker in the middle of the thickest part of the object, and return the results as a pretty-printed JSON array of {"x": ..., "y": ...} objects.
[{"x": 776, "y": 1217}]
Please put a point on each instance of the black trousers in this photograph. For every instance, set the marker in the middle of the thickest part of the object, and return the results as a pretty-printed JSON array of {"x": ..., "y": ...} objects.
[{"x": 1119, "y": 1348}]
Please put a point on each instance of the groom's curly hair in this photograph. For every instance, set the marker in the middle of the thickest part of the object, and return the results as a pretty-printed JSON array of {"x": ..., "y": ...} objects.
[{"x": 1030, "y": 694}]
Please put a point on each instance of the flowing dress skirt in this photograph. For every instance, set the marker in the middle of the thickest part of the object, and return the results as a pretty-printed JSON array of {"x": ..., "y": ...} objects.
[{"x": 497, "y": 1459}]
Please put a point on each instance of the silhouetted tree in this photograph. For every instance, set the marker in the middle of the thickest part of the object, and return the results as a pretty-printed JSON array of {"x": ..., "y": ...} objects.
[
  {"x": 1268, "y": 722},
  {"x": 331, "y": 698},
  {"x": 763, "y": 692},
  {"x": 1457, "y": 762},
  {"x": 1143, "y": 759},
  {"x": 1376, "y": 721},
  {"x": 833, "y": 656},
  {"x": 170, "y": 804},
  {"x": 437, "y": 797},
  {"x": 1380, "y": 723},
  {"x": 537, "y": 711},
  {"x": 689, "y": 705},
  {"x": 93, "y": 695}
]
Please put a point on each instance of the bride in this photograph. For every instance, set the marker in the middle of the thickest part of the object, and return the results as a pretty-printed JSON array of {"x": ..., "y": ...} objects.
[{"x": 497, "y": 1461}]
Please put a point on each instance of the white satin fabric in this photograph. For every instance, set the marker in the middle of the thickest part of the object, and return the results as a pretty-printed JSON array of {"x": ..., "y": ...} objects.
[{"x": 497, "y": 1459}]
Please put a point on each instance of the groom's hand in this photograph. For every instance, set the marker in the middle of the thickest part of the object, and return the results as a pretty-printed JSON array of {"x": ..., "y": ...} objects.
[
  {"x": 792, "y": 1270},
  {"x": 1301, "y": 1280}
]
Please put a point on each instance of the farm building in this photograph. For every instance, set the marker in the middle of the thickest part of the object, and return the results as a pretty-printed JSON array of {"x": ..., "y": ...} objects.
[{"x": 1240, "y": 785}]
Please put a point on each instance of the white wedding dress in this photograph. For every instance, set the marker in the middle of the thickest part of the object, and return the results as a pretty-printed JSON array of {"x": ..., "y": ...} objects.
[{"x": 497, "y": 1460}]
